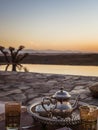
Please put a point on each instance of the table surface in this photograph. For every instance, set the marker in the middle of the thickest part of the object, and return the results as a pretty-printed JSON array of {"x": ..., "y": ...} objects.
[{"x": 26, "y": 120}]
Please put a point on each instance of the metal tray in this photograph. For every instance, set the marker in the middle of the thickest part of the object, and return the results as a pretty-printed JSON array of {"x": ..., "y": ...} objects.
[{"x": 54, "y": 121}]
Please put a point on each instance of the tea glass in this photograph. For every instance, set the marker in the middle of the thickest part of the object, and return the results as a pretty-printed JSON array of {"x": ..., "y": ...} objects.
[
  {"x": 88, "y": 115},
  {"x": 12, "y": 115}
]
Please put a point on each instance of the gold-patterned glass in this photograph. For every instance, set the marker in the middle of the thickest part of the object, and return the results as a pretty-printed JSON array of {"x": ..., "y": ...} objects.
[
  {"x": 12, "y": 115},
  {"x": 88, "y": 115}
]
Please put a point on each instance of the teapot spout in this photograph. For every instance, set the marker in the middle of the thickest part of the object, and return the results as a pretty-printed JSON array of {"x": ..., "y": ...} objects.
[{"x": 75, "y": 105}]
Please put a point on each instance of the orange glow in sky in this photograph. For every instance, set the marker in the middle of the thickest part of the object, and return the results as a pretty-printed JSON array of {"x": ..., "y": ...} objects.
[{"x": 50, "y": 24}]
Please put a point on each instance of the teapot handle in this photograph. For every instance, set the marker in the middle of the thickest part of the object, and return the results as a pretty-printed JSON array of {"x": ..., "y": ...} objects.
[{"x": 48, "y": 101}]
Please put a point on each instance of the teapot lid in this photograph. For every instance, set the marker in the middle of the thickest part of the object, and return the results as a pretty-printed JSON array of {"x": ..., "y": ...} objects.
[{"x": 61, "y": 95}]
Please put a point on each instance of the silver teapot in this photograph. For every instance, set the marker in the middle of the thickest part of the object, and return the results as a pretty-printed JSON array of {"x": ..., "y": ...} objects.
[
  {"x": 63, "y": 106},
  {"x": 57, "y": 105}
]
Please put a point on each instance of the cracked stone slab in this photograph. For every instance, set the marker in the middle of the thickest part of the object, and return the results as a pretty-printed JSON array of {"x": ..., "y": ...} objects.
[
  {"x": 31, "y": 87},
  {"x": 10, "y": 92}
]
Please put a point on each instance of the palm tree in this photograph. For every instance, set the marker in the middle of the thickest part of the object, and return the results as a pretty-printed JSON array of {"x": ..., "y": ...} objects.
[{"x": 13, "y": 57}]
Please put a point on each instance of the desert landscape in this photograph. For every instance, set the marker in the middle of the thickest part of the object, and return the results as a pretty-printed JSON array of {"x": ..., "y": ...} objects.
[
  {"x": 25, "y": 86},
  {"x": 78, "y": 58}
]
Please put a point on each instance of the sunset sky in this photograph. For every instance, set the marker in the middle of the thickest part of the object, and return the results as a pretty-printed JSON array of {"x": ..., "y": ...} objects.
[{"x": 49, "y": 24}]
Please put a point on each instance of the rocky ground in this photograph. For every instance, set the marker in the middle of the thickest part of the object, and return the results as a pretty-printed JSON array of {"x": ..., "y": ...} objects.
[{"x": 31, "y": 87}]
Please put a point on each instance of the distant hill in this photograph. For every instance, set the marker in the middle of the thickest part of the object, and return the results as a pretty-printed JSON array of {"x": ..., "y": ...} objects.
[
  {"x": 51, "y": 51},
  {"x": 59, "y": 58}
]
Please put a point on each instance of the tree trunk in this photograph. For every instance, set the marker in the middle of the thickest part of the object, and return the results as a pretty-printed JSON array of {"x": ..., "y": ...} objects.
[{"x": 13, "y": 67}]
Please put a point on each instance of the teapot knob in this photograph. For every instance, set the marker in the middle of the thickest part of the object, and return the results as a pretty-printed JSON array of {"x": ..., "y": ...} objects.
[{"x": 62, "y": 88}]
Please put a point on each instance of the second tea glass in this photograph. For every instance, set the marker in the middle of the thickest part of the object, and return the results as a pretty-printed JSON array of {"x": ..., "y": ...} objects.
[{"x": 88, "y": 115}]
